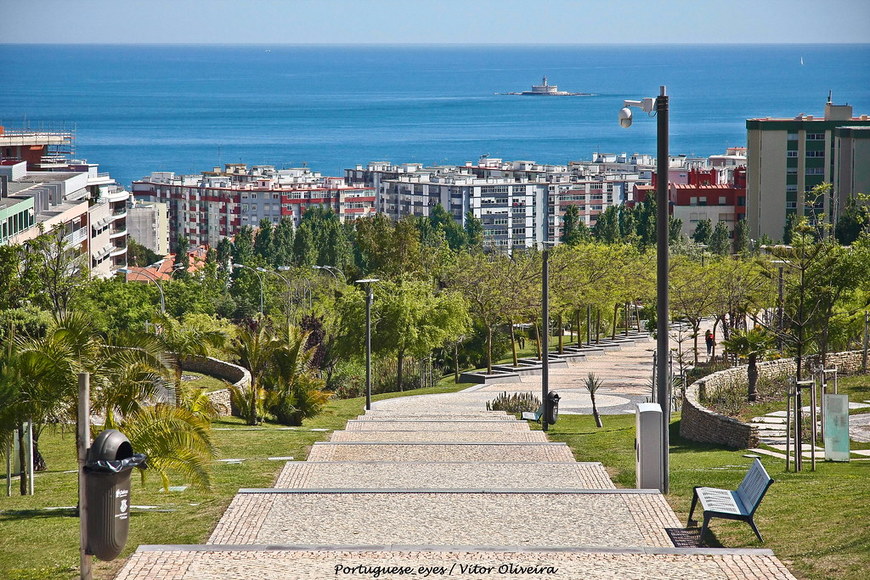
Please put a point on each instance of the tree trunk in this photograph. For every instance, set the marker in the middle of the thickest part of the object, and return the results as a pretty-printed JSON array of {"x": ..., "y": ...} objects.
[
  {"x": 538, "y": 340},
  {"x": 178, "y": 378},
  {"x": 455, "y": 362},
  {"x": 597, "y": 325},
  {"x": 22, "y": 459},
  {"x": 615, "y": 319},
  {"x": 489, "y": 349},
  {"x": 579, "y": 340},
  {"x": 595, "y": 412},
  {"x": 513, "y": 344},
  {"x": 752, "y": 378},
  {"x": 561, "y": 333},
  {"x": 399, "y": 369}
]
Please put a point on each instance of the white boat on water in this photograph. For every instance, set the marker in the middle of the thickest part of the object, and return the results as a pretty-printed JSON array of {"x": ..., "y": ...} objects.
[{"x": 545, "y": 89}]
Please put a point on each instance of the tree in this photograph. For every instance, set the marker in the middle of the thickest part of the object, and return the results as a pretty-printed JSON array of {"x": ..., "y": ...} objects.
[
  {"x": 592, "y": 384},
  {"x": 139, "y": 255},
  {"x": 293, "y": 393},
  {"x": 741, "y": 237},
  {"x": 703, "y": 231},
  {"x": 282, "y": 246},
  {"x": 304, "y": 252},
  {"x": 58, "y": 269},
  {"x": 572, "y": 228},
  {"x": 263, "y": 241},
  {"x": 473, "y": 231},
  {"x": 854, "y": 220},
  {"x": 243, "y": 245},
  {"x": 480, "y": 279},
  {"x": 693, "y": 295},
  {"x": 720, "y": 242},
  {"x": 253, "y": 347},
  {"x": 606, "y": 228},
  {"x": 752, "y": 345}
]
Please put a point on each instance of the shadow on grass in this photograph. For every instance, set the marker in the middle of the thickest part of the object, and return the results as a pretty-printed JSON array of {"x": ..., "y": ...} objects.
[{"x": 12, "y": 515}]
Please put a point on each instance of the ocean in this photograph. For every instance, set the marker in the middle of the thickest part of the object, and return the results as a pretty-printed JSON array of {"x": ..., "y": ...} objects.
[{"x": 186, "y": 108}]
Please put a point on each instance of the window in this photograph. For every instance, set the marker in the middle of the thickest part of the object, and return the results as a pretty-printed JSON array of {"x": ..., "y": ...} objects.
[
  {"x": 792, "y": 136},
  {"x": 791, "y": 170},
  {"x": 815, "y": 153},
  {"x": 815, "y": 170},
  {"x": 815, "y": 136},
  {"x": 791, "y": 153},
  {"x": 722, "y": 200}
]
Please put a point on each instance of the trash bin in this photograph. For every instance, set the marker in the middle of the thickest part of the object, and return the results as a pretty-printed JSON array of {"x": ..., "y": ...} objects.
[
  {"x": 107, "y": 489},
  {"x": 551, "y": 408}
]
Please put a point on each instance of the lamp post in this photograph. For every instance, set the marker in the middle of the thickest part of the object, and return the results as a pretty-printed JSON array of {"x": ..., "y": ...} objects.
[
  {"x": 152, "y": 278},
  {"x": 659, "y": 105},
  {"x": 259, "y": 277},
  {"x": 286, "y": 280},
  {"x": 369, "y": 296},
  {"x": 332, "y": 270},
  {"x": 545, "y": 342}
]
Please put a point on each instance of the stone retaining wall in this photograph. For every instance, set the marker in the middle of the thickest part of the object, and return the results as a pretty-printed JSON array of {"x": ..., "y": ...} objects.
[
  {"x": 238, "y": 376},
  {"x": 701, "y": 424}
]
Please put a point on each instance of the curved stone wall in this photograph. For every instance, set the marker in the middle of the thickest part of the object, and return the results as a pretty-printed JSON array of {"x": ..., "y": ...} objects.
[
  {"x": 701, "y": 424},
  {"x": 238, "y": 376}
]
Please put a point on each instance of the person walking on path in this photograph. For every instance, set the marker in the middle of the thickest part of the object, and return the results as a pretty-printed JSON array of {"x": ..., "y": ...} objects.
[{"x": 711, "y": 341}]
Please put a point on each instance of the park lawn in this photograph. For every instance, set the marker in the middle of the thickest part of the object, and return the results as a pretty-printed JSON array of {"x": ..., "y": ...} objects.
[
  {"x": 38, "y": 543},
  {"x": 205, "y": 382},
  {"x": 815, "y": 522}
]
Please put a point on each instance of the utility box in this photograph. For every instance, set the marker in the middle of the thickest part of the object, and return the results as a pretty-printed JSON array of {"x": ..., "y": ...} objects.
[
  {"x": 107, "y": 491},
  {"x": 551, "y": 408},
  {"x": 649, "y": 438}
]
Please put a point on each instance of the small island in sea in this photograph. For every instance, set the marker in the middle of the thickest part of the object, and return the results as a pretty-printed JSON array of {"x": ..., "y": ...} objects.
[{"x": 545, "y": 89}]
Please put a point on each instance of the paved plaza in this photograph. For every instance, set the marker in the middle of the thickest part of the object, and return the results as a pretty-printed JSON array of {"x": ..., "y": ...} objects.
[{"x": 446, "y": 491}]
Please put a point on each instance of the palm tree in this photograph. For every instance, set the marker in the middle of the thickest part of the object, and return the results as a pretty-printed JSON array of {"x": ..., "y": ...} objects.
[
  {"x": 592, "y": 384},
  {"x": 751, "y": 345},
  {"x": 126, "y": 373},
  {"x": 254, "y": 348},
  {"x": 292, "y": 392}
]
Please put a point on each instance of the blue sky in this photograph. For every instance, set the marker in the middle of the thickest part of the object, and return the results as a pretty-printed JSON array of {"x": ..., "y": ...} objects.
[{"x": 434, "y": 21}]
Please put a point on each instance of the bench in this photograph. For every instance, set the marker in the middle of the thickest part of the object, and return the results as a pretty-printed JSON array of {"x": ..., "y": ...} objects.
[
  {"x": 733, "y": 505},
  {"x": 536, "y": 416}
]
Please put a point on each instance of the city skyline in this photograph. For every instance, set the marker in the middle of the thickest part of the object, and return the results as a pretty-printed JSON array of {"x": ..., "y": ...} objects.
[{"x": 514, "y": 22}]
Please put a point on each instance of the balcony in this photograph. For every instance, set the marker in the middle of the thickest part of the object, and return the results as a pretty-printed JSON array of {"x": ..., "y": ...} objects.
[
  {"x": 76, "y": 237},
  {"x": 118, "y": 234},
  {"x": 118, "y": 251}
]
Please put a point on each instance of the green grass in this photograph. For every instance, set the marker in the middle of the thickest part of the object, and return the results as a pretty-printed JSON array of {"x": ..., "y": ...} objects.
[
  {"x": 205, "y": 382},
  {"x": 815, "y": 522},
  {"x": 180, "y": 518}
]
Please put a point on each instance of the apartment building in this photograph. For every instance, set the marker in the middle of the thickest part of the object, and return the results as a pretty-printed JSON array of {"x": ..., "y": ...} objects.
[
  {"x": 216, "y": 204},
  {"x": 788, "y": 157},
  {"x": 42, "y": 190}
]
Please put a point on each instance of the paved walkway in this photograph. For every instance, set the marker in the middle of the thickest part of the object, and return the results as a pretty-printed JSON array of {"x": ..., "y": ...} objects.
[
  {"x": 626, "y": 370},
  {"x": 417, "y": 492}
]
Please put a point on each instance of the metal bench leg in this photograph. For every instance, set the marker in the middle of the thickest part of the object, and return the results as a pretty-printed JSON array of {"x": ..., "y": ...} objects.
[
  {"x": 704, "y": 528},
  {"x": 755, "y": 529},
  {"x": 692, "y": 509}
]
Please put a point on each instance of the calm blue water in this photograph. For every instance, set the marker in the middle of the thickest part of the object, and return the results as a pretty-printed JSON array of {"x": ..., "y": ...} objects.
[{"x": 139, "y": 109}]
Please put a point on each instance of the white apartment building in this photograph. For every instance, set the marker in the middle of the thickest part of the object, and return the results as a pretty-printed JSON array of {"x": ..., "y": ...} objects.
[{"x": 216, "y": 204}]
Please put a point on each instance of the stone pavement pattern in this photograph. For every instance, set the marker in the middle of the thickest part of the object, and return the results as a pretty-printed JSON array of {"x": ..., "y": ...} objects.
[{"x": 438, "y": 495}]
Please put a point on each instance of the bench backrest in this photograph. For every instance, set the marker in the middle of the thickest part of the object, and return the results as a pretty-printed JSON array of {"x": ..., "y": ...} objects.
[{"x": 754, "y": 486}]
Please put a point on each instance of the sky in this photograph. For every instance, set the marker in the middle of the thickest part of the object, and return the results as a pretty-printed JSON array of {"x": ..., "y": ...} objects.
[{"x": 512, "y": 22}]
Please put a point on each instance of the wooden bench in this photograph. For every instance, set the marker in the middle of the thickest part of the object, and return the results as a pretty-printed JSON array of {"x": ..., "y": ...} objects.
[
  {"x": 536, "y": 416},
  {"x": 733, "y": 505}
]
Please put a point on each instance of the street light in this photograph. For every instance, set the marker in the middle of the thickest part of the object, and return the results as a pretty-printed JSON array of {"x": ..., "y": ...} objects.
[
  {"x": 659, "y": 105},
  {"x": 259, "y": 277},
  {"x": 369, "y": 296},
  {"x": 545, "y": 343},
  {"x": 151, "y": 277},
  {"x": 332, "y": 270},
  {"x": 286, "y": 280}
]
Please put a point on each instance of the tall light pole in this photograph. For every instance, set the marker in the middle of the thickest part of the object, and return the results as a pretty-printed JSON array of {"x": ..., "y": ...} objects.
[
  {"x": 259, "y": 277},
  {"x": 332, "y": 270},
  {"x": 545, "y": 343},
  {"x": 367, "y": 282},
  {"x": 659, "y": 105},
  {"x": 286, "y": 280},
  {"x": 152, "y": 278}
]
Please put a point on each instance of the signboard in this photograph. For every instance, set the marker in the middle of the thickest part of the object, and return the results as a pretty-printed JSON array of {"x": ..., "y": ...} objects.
[{"x": 836, "y": 423}]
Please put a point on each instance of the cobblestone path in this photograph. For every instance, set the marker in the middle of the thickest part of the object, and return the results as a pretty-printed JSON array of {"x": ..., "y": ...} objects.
[{"x": 410, "y": 492}]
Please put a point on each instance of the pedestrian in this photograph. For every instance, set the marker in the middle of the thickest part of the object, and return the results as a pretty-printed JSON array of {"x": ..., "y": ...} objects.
[{"x": 708, "y": 338}]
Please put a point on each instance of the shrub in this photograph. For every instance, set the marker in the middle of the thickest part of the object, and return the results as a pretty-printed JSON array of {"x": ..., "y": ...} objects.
[{"x": 515, "y": 403}]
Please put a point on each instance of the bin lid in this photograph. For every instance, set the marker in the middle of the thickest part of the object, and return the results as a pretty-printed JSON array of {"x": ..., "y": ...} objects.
[
  {"x": 110, "y": 445},
  {"x": 118, "y": 466}
]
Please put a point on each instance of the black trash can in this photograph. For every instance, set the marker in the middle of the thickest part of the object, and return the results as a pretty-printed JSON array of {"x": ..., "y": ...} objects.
[
  {"x": 551, "y": 408},
  {"x": 107, "y": 489}
]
